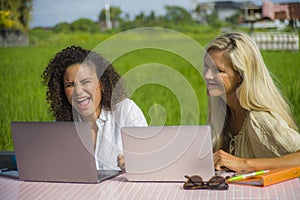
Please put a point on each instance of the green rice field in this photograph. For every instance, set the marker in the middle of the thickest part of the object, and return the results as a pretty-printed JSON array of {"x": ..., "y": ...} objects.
[{"x": 166, "y": 86}]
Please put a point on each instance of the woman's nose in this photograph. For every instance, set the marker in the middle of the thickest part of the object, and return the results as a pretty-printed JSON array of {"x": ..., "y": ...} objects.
[
  {"x": 78, "y": 89},
  {"x": 208, "y": 74}
]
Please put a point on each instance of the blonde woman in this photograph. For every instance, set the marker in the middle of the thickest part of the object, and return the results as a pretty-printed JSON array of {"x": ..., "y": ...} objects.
[{"x": 251, "y": 121}]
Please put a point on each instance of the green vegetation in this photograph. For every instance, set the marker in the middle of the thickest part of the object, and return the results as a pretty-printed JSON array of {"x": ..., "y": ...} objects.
[
  {"x": 80, "y": 25},
  {"x": 285, "y": 69},
  {"x": 23, "y": 96},
  {"x": 176, "y": 18},
  {"x": 15, "y": 14}
]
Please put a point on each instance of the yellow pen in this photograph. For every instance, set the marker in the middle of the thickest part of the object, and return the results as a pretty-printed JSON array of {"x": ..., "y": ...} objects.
[{"x": 245, "y": 176}]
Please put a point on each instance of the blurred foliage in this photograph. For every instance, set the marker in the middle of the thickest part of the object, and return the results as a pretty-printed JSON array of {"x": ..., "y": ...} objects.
[
  {"x": 234, "y": 19},
  {"x": 5, "y": 21},
  {"x": 45, "y": 37},
  {"x": 114, "y": 13},
  {"x": 15, "y": 14},
  {"x": 177, "y": 15},
  {"x": 80, "y": 25},
  {"x": 62, "y": 27},
  {"x": 176, "y": 18}
]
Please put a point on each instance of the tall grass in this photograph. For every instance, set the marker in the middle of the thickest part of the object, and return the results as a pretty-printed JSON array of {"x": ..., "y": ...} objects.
[
  {"x": 165, "y": 87},
  {"x": 22, "y": 96},
  {"x": 285, "y": 70}
]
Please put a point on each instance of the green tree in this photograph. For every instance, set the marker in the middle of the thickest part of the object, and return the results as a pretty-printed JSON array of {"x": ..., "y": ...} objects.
[
  {"x": 85, "y": 25},
  {"x": 62, "y": 27},
  {"x": 114, "y": 11},
  {"x": 151, "y": 19},
  {"x": 177, "y": 14},
  {"x": 234, "y": 19},
  {"x": 213, "y": 20},
  {"x": 15, "y": 14},
  {"x": 114, "y": 17}
]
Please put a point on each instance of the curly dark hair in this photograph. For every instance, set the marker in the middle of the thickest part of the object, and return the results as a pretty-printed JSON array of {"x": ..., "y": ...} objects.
[{"x": 113, "y": 90}]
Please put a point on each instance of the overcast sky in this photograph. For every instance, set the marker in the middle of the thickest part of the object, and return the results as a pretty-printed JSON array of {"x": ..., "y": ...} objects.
[{"x": 47, "y": 13}]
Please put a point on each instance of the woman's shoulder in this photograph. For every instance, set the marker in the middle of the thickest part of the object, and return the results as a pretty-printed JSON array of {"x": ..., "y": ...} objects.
[
  {"x": 260, "y": 117},
  {"x": 257, "y": 116},
  {"x": 266, "y": 120},
  {"x": 126, "y": 105},
  {"x": 126, "y": 102},
  {"x": 128, "y": 112}
]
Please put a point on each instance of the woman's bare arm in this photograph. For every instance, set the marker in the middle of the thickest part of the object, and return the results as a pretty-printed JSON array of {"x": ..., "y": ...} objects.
[{"x": 224, "y": 159}]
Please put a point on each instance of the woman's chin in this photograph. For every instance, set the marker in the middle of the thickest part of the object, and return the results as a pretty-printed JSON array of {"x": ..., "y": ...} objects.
[
  {"x": 214, "y": 93},
  {"x": 86, "y": 113}
]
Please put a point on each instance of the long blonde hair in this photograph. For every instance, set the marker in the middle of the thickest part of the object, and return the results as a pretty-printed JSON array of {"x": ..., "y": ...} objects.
[{"x": 257, "y": 91}]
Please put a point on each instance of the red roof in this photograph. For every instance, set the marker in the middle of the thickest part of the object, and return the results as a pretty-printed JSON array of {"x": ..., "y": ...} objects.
[
  {"x": 268, "y": 9},
  {"x": 275, "y": 11}
]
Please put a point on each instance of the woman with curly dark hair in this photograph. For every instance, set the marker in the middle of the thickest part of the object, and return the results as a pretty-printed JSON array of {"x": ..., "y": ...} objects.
[{"x": 83, "y": 86}]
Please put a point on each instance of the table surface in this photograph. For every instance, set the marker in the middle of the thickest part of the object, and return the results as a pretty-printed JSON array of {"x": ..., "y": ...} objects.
[{"x": 120, "y": 188}]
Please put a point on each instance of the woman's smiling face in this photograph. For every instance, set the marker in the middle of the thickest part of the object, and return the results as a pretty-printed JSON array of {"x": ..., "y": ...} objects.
[
  {"x": 83, "y": 90},
  {"x": 220, "y": 77}
]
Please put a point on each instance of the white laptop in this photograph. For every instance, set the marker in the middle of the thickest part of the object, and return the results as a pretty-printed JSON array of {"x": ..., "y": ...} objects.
[
  {"x": 167, "y": 153},
  {"x": 56, "y": 152}
]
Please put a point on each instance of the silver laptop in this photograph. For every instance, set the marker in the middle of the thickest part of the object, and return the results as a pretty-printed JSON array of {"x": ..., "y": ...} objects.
[
  {"x": 167, "y": 153},
  {"x": 56, "y": 152}
]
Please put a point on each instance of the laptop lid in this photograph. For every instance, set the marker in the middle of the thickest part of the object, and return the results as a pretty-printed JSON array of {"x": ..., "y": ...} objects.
[
  {"x": 55, "y": 151},
  {"x": 167, "y": 153}
]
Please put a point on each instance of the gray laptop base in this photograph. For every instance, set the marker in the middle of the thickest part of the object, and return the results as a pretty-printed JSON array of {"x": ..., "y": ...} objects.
[
  {"x": 102, "y": 174},
  {"x": 56, "y": 152}
]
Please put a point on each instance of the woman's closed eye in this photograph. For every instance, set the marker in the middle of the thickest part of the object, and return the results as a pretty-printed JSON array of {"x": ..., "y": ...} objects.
[
  {"x": 85, "y": 81},
  {"x": 214, "y": 69},
  {"x": 68, "y": 85}
]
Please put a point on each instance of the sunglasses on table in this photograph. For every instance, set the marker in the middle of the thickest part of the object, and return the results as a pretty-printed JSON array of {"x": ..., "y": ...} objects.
[{"x": 195, "y": 182}]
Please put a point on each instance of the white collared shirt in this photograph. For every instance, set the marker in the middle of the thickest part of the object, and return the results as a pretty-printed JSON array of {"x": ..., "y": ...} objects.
[{"x": 109, "y": 141}]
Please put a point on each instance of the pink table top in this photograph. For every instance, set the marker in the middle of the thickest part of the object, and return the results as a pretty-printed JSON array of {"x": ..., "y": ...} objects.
[{"x": 120, "y": 188}]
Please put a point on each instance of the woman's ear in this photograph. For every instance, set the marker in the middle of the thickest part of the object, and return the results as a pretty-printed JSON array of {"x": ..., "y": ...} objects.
[{"x": 240, "y": 79}]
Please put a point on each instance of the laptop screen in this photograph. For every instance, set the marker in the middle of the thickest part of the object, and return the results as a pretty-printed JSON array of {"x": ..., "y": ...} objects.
[
  {"x": 54, "y": 151},
  {"x": 167, "y": 153}
]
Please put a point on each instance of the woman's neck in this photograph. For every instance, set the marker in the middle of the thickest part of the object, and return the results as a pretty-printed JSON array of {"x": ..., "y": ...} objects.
[
  {"x": 94, "y": 128},
  {"x": 237, "y": 115},
  {"x": 234, "y": 104},
  {"x": 92, "y": 118}
]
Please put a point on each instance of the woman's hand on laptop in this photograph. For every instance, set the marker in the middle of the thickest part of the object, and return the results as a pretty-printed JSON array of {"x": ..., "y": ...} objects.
[
  {"x": 223, "y": 159},
  {"x": 121, "y": 162}
]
